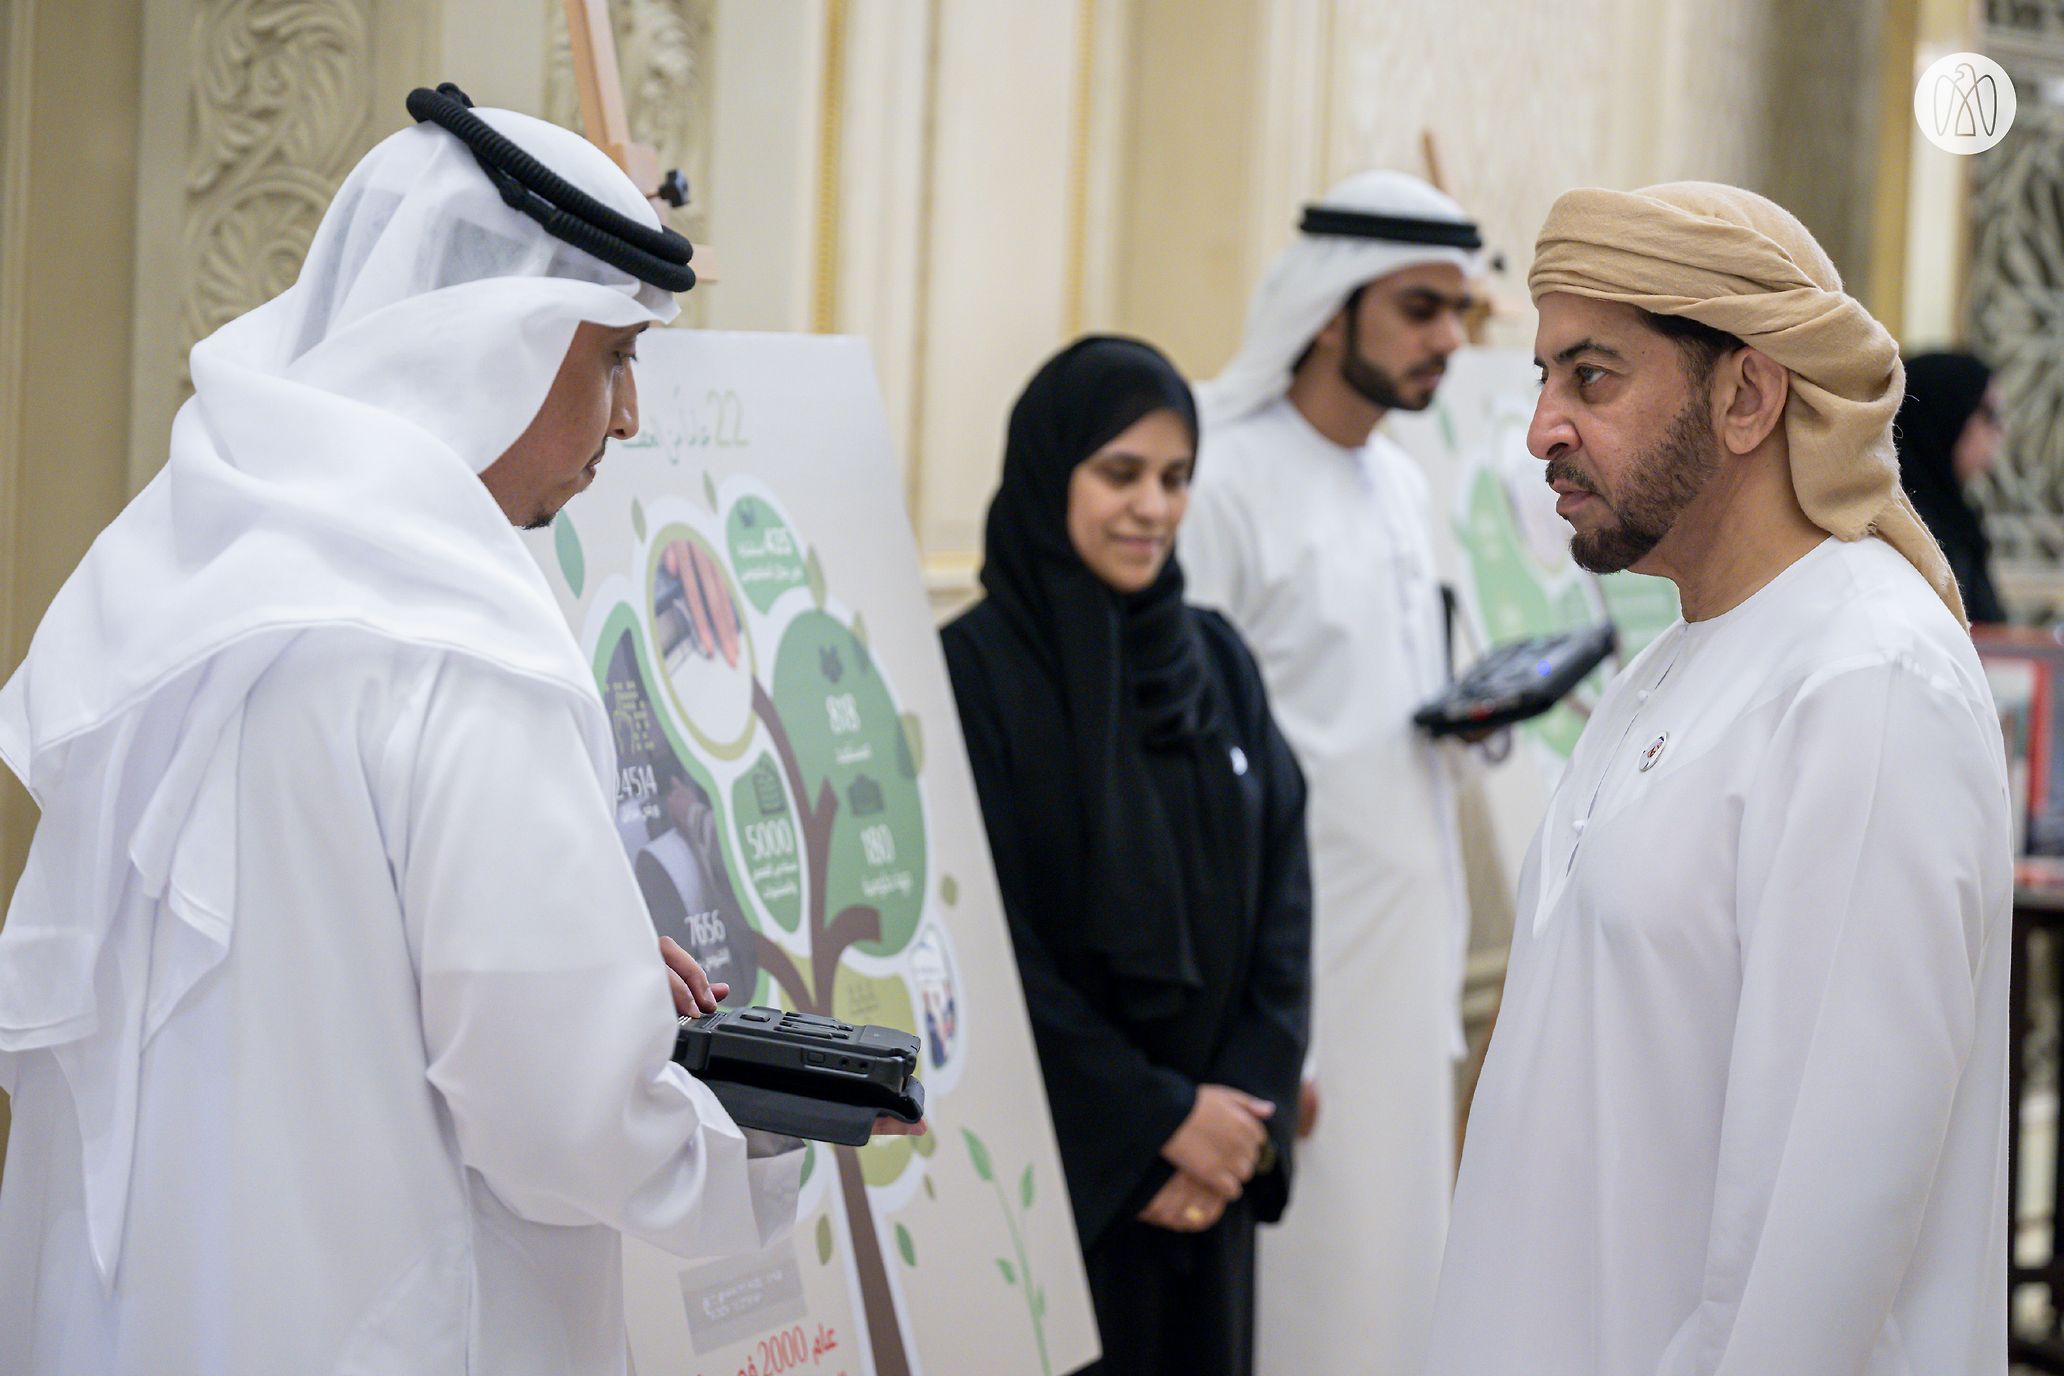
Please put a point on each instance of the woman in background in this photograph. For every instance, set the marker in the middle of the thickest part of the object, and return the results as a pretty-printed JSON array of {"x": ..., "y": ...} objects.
[
  {"x": 1147, "y": 824},
  {"x": 1949, "y": 436}
]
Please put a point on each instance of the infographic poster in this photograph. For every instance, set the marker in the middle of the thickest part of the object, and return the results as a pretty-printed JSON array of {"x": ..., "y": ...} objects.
[{"x": 795, "y": 799}]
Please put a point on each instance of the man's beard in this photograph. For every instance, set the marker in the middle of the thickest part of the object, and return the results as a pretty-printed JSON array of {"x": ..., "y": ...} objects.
[
  {"x": 1376, "y": 385},
  {"x": 1659, "y": 486}
]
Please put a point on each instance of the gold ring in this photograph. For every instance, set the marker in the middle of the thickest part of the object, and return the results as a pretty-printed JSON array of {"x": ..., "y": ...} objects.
[{"x": 1193, "y": 1214}]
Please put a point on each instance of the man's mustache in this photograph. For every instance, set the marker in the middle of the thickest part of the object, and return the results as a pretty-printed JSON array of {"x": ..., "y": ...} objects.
[{"x": 1564, "y": 472}]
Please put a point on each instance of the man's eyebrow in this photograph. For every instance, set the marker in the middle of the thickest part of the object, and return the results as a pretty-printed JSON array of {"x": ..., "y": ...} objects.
[
  {"x": 1428, "y": 296},
  {"x": 1584, "y": 346}
]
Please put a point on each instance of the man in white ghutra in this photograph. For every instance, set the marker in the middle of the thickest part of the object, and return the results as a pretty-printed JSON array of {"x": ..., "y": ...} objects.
[{"x": 332, "y": 1018}]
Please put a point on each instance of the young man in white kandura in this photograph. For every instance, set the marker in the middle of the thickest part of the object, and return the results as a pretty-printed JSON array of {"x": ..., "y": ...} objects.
[{"x": 1314, "y": 535}]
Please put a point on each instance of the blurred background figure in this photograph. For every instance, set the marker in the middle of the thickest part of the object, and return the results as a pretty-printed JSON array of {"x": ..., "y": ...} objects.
[
  {"x": 1147, "y": 823},
  {"x": 1314, "y": 533},
  {"x": 1949, "y": 436}
]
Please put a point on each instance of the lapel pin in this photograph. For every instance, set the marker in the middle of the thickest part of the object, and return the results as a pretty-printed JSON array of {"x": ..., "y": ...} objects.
[{"x": 1654, "y": 752}]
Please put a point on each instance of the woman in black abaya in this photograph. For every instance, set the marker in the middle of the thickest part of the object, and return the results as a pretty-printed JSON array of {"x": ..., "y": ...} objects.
[
  {"x": 1949, "y": 434},
  {"x": 1147, "y": 822}
]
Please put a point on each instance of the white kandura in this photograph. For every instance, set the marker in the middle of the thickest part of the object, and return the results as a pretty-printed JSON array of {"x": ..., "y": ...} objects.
[
  {"x": 1745, "y": 1110},
  {"x": 1349, "y": 648},
  {"x": 335, "y": 1028}
]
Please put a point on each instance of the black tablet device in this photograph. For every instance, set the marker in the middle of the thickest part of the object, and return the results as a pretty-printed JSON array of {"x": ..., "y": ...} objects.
[
  {"x": 801, "y": 1074},
  {"x": 1518, "y": 680}
]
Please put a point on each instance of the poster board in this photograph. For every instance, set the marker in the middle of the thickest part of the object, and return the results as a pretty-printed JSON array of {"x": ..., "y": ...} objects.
[{"x": 795, "y": 796}]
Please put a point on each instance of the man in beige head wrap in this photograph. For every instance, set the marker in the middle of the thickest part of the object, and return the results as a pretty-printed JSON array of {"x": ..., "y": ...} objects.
[{"x": 1744, "y": 1113}]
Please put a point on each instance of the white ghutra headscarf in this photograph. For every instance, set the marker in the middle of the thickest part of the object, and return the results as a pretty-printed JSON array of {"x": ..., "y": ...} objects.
[
  {"x": 322, "y": 479},
  {"x": 1311, "y": 280}
]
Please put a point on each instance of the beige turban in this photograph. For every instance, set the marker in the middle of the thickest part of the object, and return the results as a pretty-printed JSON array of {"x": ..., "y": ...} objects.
[{"x": 1730, "y": 259}]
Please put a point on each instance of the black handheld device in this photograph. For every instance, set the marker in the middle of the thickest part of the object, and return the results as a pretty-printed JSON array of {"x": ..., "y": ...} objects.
[
  {"x": 801, "y": 1074},
  {"x": 1518, "y": 680}
]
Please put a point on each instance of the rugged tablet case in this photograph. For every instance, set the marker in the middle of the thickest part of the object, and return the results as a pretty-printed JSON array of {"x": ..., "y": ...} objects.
[{"x": 801, "y": 1074}]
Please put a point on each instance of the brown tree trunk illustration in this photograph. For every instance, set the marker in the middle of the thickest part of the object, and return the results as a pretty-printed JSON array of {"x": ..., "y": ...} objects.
[
  {"x": 828, "y": 945},
  {"x": 884, "y": 1329}
]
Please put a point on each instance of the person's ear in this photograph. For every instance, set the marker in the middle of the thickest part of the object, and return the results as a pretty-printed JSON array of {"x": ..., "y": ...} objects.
[
  {"x": 1332, "y": 336},
  {"x": 1749, "y": 393}
]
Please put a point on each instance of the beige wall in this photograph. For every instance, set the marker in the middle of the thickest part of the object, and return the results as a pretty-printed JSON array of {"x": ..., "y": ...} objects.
[
  {"x": 1193, "y": 153},
  {"x": 70, "y": 119},
  {"x": 63, "y": 449},
  {"x": 1523, "y": 100}
]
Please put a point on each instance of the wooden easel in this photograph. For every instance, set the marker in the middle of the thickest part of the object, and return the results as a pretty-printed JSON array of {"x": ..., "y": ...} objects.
[{"x": 600, "y": 84}]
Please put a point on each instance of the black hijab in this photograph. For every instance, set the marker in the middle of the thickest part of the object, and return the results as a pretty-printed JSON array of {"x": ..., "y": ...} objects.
[
  {"x": 1139, "y": 710},
  {"x": 1943, "y": 391}
]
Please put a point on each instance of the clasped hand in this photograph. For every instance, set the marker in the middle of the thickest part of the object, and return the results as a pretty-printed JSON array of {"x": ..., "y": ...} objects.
[{"x": 1215, "y": 1153}]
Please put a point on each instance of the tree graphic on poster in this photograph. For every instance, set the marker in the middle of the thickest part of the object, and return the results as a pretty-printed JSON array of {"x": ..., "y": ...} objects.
[{"x": 827, "y": 816}]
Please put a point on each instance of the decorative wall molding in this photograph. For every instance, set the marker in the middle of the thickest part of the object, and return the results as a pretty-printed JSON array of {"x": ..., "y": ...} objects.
[
  {"x": 921, "y": 286},
  {"x": 2016, "y": 307},
  {"x": 831, "y": 111},
  {"x": 254, "y": 111},
  {"x": 1081, "y": 126},
  {"x": 281, "y": 92},
  {"x": 1294, "y": 112},
  {"x": 17, "y": 34},
  {"x": 664, "y": 54},
  {"x": 1885, "y": 291},
  {"x": 998, "y": 254},
  {"x": 953, "y": 583},
  {"x": 2034, "y": 18},
  {"x": 875, "y": 199},
  {"x": 17, "y": 40},
  {"x": 1104, "y": 149}
]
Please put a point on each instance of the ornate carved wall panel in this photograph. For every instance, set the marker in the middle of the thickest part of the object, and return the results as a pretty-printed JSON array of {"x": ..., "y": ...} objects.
[
  {"x": 253, "y": 112},
  {"x": 2016, "y": 305},
  {"x": 663, "y": 49},
  {"x": 281, "y": 96},
  {"x": 2032, "y": 18}
]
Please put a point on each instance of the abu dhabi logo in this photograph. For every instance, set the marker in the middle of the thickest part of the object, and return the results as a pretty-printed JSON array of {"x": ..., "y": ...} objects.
[{"x": 1964, "y": 103}]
